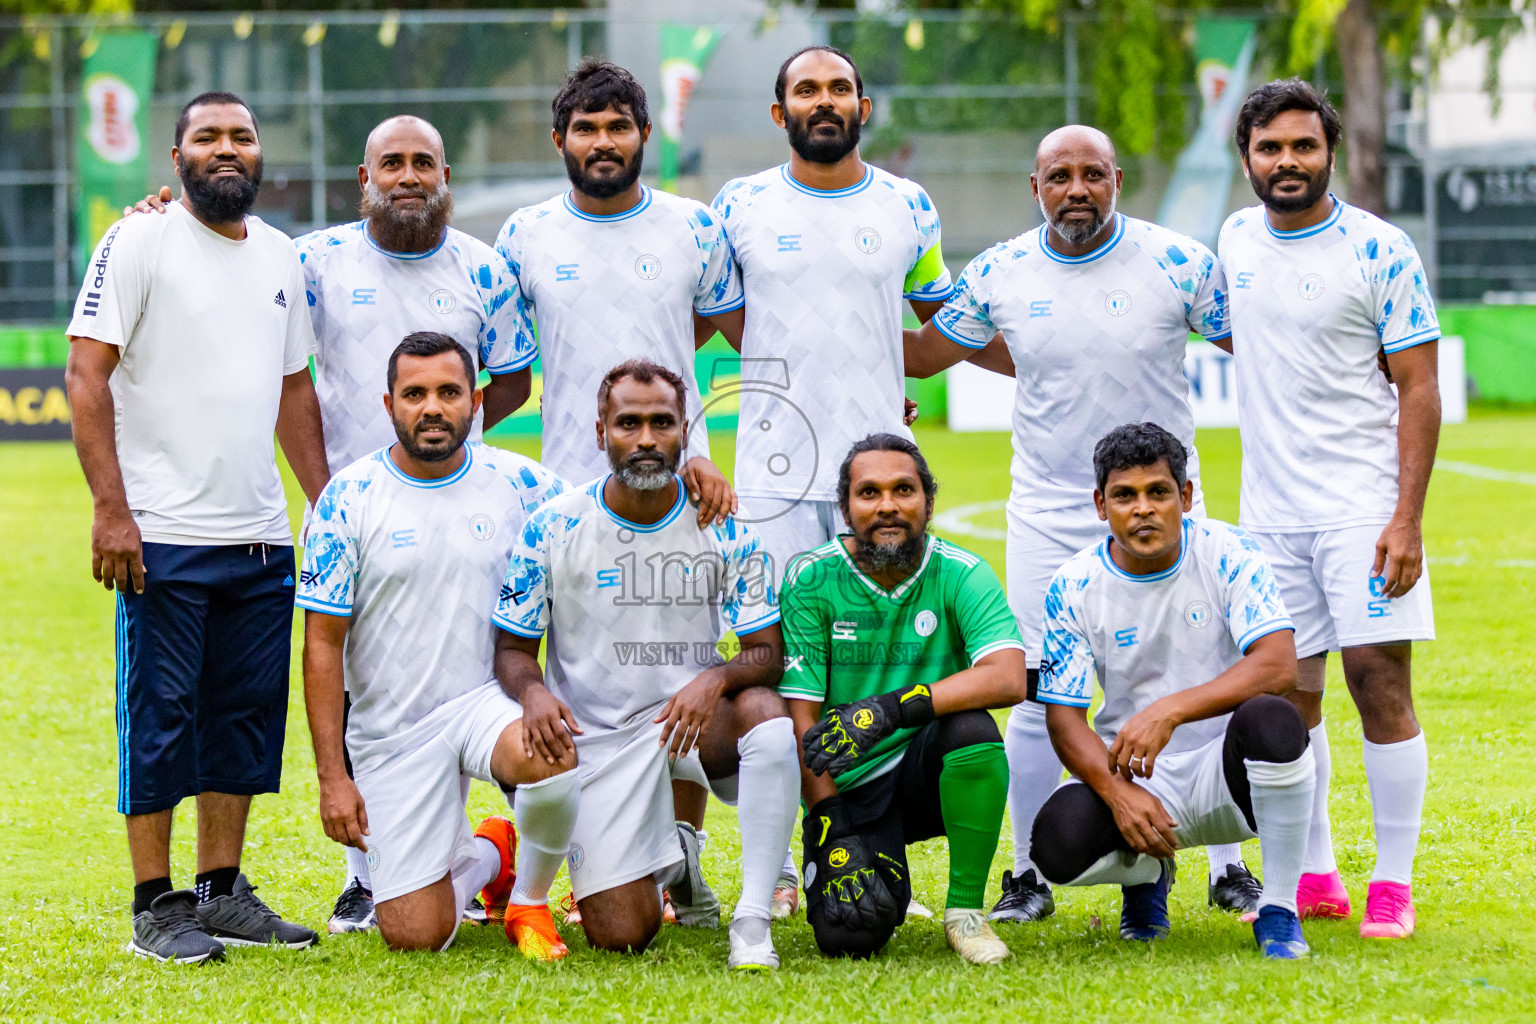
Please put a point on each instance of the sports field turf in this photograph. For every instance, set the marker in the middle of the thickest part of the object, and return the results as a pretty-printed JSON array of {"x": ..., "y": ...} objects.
[{"x": 64, "y": 878}]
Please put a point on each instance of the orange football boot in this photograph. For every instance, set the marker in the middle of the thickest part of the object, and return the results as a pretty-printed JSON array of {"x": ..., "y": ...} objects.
[
  {"x": 499, "y": 831},
  {"x": 532, "y": 929}
]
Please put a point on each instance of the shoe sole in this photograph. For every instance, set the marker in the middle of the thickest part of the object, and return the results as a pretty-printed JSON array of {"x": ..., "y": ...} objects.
[
  {"x": 1285, "y": 954},
  {"x": 1019, "y": 916},
  {"x": 754, "y": 968},
  {"x": 1399, "y": 933},
  {"x": 149, "y": 954},
  {"x": 348, "y": 927},
  {"x": 230, "y": 940}
]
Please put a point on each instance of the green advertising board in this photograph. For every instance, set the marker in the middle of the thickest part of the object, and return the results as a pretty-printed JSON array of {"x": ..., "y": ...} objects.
[{"x": 112, "y": 146}]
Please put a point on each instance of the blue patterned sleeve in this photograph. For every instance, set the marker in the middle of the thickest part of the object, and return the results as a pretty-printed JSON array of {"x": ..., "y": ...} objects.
[
  {"x": 749, "y": 601},
  {"x": 1066, "y": 657},
  {"x": 927, "y": 278},
  {"x": 522, "y": 607},
  {"x": 1205, "y": 301},
  {"x": 966, "y": 319},
  {"x": 329, "y": 574},
  {"x": 311, "y": 247},
  {"x": 506, "y": 332},
  {"x": 719, "y": 289},
  {"x": 1254, "y": 605},
  {"x": 1405, "y": 313}
]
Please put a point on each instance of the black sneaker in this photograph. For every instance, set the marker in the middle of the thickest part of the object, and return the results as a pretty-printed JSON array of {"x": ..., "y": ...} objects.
[
  {"x": 242, "y": 919},
  {"x": 354, "y": 910},
  {"x": 475, "y": 912},
  {"x": 172, "y": 930},
  {"x": 1236, "y": 890},
  {"x": 1025, "y": 898}
]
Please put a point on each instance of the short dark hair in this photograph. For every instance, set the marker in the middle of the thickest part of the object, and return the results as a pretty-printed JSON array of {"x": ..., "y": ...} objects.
[
  {"x": 642, "y": 371},
  {"x": 209, "y": 99},
  {"x": 1272, "y": 99},
  {"x": 883, "y": 443},
  {"x": 1138, "y": 444},
  {"x": 597, "y": 85},
  {"x": 428, "y": 343},
  {"x": 781, "y": 83}
]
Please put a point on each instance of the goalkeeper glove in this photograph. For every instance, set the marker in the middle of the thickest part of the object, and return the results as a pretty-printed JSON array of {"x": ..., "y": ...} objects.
[
  {"x": 854, "y": 892},
  {"x": 850, "y": 731}
]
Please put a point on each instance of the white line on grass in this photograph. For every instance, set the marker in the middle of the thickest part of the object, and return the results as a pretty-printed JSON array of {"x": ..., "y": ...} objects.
[
  {"x": 958, "y": 520},
  {"x": 1504, "y": 476}
]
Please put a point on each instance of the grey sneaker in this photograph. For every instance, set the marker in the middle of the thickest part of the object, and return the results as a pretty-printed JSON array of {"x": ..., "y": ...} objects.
[
  {"x": 172, "y": 930},
  {"x": 243, "y": 920},
  {"x": 354, "y": 910},
  {"x": 693, "y": 902}
]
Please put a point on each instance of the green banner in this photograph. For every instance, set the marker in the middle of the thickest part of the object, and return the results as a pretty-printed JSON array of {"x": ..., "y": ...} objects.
[
  {"x": 112, "y": 149},
  {"x": 685, "y": 53}
]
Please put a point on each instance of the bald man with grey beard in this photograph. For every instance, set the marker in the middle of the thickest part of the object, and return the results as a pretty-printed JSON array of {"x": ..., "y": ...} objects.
[{"x": 1090, "y": 313}]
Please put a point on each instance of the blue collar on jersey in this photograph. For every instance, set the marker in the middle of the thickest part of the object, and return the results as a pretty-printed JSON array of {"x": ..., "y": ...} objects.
[
  {"x": 405, "y": 478},
  {"x": 1328, "y": 222},
  {"x": 666, "y": 520},
  {"x": 829, "y": 193},
  {"x": 608, "y": 218},
  {"x": 1109, "y": 563},
  {"x": 1089, "y": 257},
  {"x": 403, "y": 255}
]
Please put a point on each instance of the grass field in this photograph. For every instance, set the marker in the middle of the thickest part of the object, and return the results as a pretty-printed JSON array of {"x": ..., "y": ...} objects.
[{"x": 64, "y": 878}]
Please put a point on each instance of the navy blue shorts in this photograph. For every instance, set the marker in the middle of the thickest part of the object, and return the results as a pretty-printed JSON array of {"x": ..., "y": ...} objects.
[{"x": 202, "y": 674}]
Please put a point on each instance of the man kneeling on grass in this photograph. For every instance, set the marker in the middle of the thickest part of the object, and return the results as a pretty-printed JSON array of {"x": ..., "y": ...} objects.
[
  {"x": 896, "y": 644},
  {"x": 1180, "y": 621}
]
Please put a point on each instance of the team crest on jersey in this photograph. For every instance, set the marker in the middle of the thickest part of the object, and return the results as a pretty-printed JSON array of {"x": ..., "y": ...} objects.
[
  {"x": 867, "y": 240},
  {"x": 925, "y": 623},
  {"x": 1197, "y": 614},
  {"x": 576, "y": 856},
  {"x": 1310, "y": 287},
  {"x": 373, "y": 855},
  {"x": 442, "y": 301},
  {"x": 1117, "y": 302},
  {"x": 648, "y": 267},
  {"x": 482, "y": 526}
]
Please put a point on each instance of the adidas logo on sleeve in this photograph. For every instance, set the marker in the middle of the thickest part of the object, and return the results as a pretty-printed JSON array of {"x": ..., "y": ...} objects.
[{"x": 280, "y": 300}]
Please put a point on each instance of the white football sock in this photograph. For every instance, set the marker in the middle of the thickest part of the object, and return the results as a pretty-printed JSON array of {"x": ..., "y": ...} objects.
[
  {"x": 1282, "y": 808},
  {"x": 474, "y": 875},
  {"x": 1319, "y": 859},
  {"x": 1121, "y": 868},
  {"x": 768, "y": 793},
  {"x": 357, "y": 867},
  {"x": 1034, "y": 771},
  {"x": 790, "y": 868},
  {"x": 1397, "y": 774},
  {"x": 1221, "y": 856},
  {"x": 546, "y": 817}
]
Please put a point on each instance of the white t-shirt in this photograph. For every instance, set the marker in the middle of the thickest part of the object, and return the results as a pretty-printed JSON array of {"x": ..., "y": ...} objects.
[
  {"x": 206, "y": 329},
  {"x": 608, "y": 289},
  {"x": 416, "y": 564},
  {"x": 1145, "y": 637},
  {"x": 1097, "y": 341},
  {"x": 634, "y": 612},
  {"x": 1310, "y": 311},
  {"x": 824, "y": 273},
  {"x": 364, "y": 300}
]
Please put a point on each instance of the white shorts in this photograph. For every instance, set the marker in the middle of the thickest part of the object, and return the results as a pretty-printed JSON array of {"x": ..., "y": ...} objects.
[
  {"x": 1325, "y": 579},
  {"x": 626, "y": 828},
  {"x": 791, "y": 527},
  {"x": 417, "y": 829},
  {"x": 1038, "y": 544},
  {"x": 1193, "y": 790}
]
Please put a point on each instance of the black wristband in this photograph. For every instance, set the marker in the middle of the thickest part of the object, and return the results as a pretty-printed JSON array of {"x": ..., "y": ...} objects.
[{"x": 912, "y": 707}]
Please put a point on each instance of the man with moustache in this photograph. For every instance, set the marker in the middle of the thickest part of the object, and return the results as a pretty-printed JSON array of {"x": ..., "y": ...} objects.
[
  {"x": 1091, "y": 312},
  {"x": 829, "y": 247},
  {"x": 1336, "y": 465},
  {"x": 189, "y": 348},
  {"x": 896, "y": 644},
  {"x": 635, "y": 595}
]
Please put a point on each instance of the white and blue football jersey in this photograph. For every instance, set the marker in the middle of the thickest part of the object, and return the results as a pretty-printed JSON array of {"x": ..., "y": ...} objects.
[
  {"x": 1311, "y": 310},
  {"x": 364, "y": 300},
  {"x": 1142, "y": 638},
  {"x": 825, "y": 274},
  {"x": 633, "y": 612},
  {"x": 604, "y": 290},
  {"x": 416, "y": 565},
  {"x": 1097, "y": 341}
]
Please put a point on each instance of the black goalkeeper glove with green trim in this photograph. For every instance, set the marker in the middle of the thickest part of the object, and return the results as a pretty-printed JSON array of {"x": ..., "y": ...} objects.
[
  {"x": 850, "y": 731},
  {"x": 854, "y": 894}
]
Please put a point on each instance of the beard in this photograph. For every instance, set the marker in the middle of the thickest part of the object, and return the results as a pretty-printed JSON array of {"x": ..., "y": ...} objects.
[
  {"x": 1317, "y": 187},
  {"x": 648, "y": 471},
  {"x": 412, "y": 230},
  {"x": 219, "y": 200},
  {"x": 458, "y": 433},
  {"x": 1077, "y": 232},
  {"x": 817, "y": 149},
  {"x": 903, "y": 556},
  {"x": 603, "y": 186}
]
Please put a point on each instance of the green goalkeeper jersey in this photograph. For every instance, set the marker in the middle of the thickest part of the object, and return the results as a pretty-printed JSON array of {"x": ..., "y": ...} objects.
[{"x": 847, "y": 638}]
